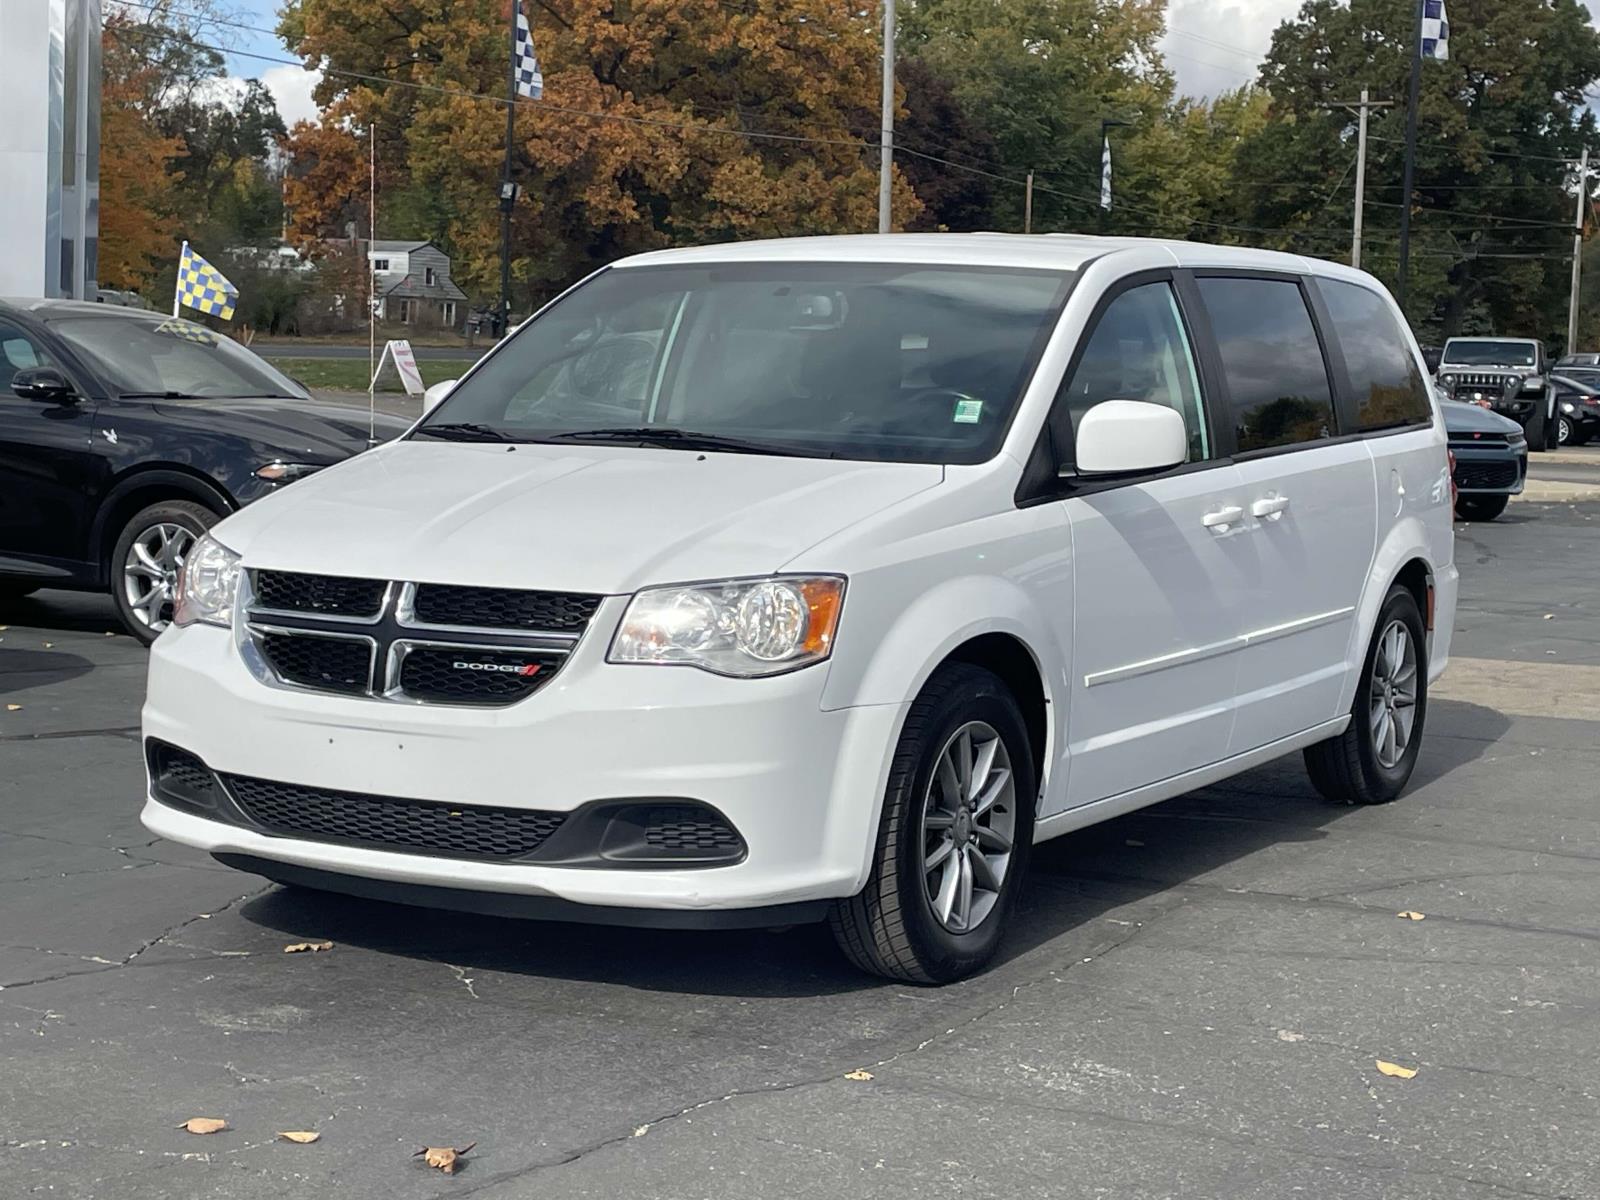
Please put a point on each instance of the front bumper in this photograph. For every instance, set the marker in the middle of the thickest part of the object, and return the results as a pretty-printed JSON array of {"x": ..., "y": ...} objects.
[
  {"x": 1489, "y": 471},
  {"x": 802, "y": 786}
]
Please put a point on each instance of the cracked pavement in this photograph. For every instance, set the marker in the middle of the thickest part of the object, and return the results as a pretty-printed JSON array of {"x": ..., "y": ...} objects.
[{"x": 1193, "y": 1003}]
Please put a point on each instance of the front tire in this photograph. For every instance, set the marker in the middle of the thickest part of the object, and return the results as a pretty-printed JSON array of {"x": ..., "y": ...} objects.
[
  {"x": 1565, "y": 434},
  {"x": 954, "y": 839},
  {"x": 145, "y": 561},
  {"x": 1481, "y": 508},
  {"x": 1372, "y": 760}
]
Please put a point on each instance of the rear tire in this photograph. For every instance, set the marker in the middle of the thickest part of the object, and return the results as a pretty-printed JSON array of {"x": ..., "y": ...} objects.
[
  {"x": 143, "y": 586},
  {"x": 894, "y": 926},
  {"x": 1363, "y": 765},
  {"x": 1481, "y": 508}
]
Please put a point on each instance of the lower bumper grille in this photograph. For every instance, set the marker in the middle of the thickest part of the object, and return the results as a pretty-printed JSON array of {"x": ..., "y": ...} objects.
[
  {"x": 1484, "y": 476},
  {"x": 388, "y": 823}
]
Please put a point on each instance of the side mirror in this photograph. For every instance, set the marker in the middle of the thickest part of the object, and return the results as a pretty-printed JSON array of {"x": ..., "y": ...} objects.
[
  {"x": 1127, "y": 437},
  {"x": 44, "y": 384},
  {"x": 434, "y": 396}
]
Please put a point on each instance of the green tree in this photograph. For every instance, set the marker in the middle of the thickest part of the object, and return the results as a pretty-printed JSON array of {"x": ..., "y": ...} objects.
[{"x": 1492, "y": 207}]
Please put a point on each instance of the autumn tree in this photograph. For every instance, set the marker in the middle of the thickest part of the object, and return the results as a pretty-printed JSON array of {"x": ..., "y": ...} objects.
[{"x": 662, "y": 123}]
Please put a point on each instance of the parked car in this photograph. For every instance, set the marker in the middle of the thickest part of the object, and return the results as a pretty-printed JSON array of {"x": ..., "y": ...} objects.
[
  {"x": 821, "y": 578},
  {"x": 1577, "y": 408},
  {"x": 1489, "y": 456},
  {"x": 1578, "y": 360},
  {"x": 125, "y": 434},
  {"x": 1511, "y": 374}
]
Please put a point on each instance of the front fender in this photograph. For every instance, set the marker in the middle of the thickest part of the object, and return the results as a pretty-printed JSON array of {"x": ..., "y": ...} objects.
[{"x": 892, "y": 649}]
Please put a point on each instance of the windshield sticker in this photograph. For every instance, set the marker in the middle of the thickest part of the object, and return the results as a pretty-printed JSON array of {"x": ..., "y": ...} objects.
[
  {"x": 187, "y": 330},
  {"x": 967, "y": 412}
]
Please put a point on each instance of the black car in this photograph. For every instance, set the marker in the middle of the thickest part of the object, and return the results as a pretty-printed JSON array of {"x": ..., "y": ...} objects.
[
  {"x": 1577, "y": 406},
  {"x": 125, "y": 434},
  {"x": 1489, "y": 459}
]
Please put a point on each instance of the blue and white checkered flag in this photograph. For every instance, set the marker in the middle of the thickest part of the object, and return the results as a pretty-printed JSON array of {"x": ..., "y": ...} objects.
[
  {"x": 1435, "y": 30},
  {"x": 202, "y": 286},
  {"x": 524, "y": 62}
]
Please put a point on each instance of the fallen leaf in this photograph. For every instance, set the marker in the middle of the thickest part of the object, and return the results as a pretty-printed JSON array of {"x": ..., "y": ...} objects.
[
  {"x": 443, "y": 1157},
  {"x": 13, "y": 708},
  {"x": 1549, "y": 616},
  {"x": 302, "y": 947},
  {"x": 204, "y": 1125},
  {"x": 1412, "y": 916},
  {"x": 49, "y": 645},
  {"x": 858, "y": 1076},
  {"x": 304, "y": 1136},
  {"x": 1395, "y": 1069},
  {"x": 1289, "y": 1035}
]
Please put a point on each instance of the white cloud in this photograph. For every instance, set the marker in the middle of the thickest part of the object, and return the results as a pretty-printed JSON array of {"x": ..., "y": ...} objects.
[
  {"x": 291, "y": 89},
  {"x": 1216, "y": 45}
]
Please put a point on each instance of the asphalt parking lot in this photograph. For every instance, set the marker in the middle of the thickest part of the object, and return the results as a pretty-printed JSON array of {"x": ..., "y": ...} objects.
[{"x": 1194, "y": 1006}]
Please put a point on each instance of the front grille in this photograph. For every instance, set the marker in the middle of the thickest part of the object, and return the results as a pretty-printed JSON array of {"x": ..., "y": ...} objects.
[
  {"x": 1478, "y": 379},
  {"x": 1483, "y": 476},
  {"x": 1488, "y": 442},
  {"x": 685, "y": 830},
  {"x": 328, "y": 664},
  {"x": 473, "y": 675},
  {"x": 322, "y": 595},
  {"x": 502, "y": 608},
  {"x": 387, "y": 823}
]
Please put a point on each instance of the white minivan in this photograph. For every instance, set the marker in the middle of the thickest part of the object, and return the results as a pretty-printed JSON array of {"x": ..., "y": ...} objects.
[{"x": 821, "y": 579}]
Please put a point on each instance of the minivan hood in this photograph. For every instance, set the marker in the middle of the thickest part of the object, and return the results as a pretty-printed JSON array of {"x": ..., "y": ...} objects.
[{"x": 603, "y": 519}]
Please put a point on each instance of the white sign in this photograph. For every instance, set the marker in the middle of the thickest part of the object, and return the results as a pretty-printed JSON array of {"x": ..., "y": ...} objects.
[{"x": 398, "y": 352}]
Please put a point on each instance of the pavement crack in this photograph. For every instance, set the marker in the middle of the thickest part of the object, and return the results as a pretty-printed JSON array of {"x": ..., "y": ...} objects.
[{"x": 465, "y": 980}]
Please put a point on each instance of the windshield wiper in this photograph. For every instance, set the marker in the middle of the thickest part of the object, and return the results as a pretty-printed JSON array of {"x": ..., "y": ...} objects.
[
  {"x": 465, "y": 431},
  {"x": 160, "y": 396},
  {"x": 678, "y": 439}
]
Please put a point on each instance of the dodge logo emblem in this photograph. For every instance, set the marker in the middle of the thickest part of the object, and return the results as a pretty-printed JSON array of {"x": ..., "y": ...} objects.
[{"x": 498, "y": 668}]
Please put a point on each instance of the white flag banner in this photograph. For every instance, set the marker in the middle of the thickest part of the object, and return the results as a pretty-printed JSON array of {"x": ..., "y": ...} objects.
[
  {"x": 399, "y": 353},
  {"x": 1435, "y": 30},
  {"x": 1105, "y": 176},
  {"x": 530, "y": 79}
]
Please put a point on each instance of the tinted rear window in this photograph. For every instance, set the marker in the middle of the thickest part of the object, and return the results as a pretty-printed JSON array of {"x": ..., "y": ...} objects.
[
  {"x": 1277, "y": 382},
  {"x": 1387, "y": 384}
]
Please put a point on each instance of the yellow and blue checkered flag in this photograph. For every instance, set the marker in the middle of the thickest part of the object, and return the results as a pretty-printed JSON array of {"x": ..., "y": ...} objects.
[{"x": 202, "y": 286}]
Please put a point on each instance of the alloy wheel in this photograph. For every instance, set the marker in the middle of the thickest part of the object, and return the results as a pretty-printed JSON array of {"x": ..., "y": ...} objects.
[
  {"x": 968, "y": 827},
  {"x": 150, "y": 572},
  {"x": 1394, "y": 694}
]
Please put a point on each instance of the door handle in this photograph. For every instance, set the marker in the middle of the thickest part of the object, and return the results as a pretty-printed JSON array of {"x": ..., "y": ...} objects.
[
  {"x": 1223, "y": 519},
  {"x": 1270, "y": 508}
]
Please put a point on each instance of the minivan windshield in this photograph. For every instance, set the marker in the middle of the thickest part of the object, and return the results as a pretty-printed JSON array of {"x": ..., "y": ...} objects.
[
  {"x": 1488, "y": 354},
  {"x": 171, "y": 358},
  {"x": 878, "y": 361}
]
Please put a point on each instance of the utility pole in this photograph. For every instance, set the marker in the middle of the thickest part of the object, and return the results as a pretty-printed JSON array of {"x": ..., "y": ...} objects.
[
  {"x": 1577, "y": 253},
  {"x": 1027, "y": 206},
  {"x": 1360, "y": 108},
  {"x": 508, "y": 189},
  {"x": 1410, "y": 173},
  {"x": 886, "y": 133}
]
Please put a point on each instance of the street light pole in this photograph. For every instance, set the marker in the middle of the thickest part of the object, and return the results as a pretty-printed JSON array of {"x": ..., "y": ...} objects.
[
  {"x": 1410, "y": 173},
  {"x": 1577, "y": 253},
  {"x": 886, "y": 133}
]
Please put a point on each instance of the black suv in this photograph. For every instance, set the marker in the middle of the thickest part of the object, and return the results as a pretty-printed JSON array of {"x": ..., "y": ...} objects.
[{"x": 125, "y": 434}]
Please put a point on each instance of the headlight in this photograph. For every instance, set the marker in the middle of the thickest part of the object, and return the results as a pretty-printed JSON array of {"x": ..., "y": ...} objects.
[
  {"x": 741, "y": 627},
  {"x": 282, "y": 472},
  {"x": 208, "y": 583},
  {"x": 1448, "y": 380},
  {"x": 1567, "y": 407}
]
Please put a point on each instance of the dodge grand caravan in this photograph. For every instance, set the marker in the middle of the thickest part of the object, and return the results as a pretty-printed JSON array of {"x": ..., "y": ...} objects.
[{"x": 821, "y": 579}]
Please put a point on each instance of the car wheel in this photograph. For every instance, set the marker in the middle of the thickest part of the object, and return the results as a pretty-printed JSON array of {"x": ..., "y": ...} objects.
[
  {"x": 1481, "y": 508},
  {"x": 1564, "y": 434},
  {"x": 145, "y": 561},
  {"x": 1371, "y": 761},
  {"x": 954, "y": 838}
]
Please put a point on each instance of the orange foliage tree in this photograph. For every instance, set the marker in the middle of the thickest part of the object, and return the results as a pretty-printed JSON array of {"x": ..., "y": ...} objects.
[
  {"x": 646, "y": 136},
  {"x": 138, "y": 226}
]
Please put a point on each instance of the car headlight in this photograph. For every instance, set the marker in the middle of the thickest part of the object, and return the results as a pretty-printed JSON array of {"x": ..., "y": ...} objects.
[
  {"x": 1568, "y": 407},
  {"x": 282, "y": 472},
  {"x": 1448, "y": 380},
  {"x": 741, "y": 627},
  {"x": 208, "y": 584}
]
